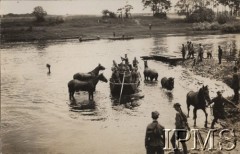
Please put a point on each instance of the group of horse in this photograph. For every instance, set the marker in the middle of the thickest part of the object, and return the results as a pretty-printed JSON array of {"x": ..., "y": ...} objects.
[
  {"x": 86, "y": 82},
  {"x": 167, "y": 83},
  {"x": 197, "y": 99}
]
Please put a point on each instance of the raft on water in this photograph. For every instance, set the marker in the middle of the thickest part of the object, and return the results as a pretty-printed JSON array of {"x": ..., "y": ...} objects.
[
  {"x": 128, "y": 88},
  {"x": 120, "y": 38},
  {"x": 163, "y": 58},
  {"x": 88, "y": 39}
]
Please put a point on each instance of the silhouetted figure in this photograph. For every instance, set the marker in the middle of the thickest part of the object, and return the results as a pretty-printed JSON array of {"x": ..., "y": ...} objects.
[
  {"x": 49, "y": 68},
  {"x": 200, "y": 52},
  {"x": 150, "y": 26},
  {"x": 235, "y": 85},
  {"x": 180, "y": 123},
  {"x": 219, "y": 54},
  {"x": 209, "y": 55},
  {"x": 183, "y": 51},
  {"x": 218, "y": 107},
  {"x": 114, "y": 34},
  {"x": 155, "y": 136}
]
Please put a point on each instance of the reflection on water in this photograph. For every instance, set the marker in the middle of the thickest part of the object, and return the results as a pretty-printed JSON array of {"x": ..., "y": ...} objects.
[{"x": 37, "y": 119}]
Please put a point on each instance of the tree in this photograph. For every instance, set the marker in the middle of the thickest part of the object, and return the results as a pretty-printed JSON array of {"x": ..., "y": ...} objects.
[
  {"x": 39, "y": 13},
  {"x": 234, "y": 5},
  {"x": 108, "y": 14},
  {"x": 128, "y": 8},
  {"x": 187, "y": 7},
  {"x": 157, "y": 6}
]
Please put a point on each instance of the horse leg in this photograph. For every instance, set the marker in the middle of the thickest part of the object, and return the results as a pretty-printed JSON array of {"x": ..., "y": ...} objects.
[
  {"x": 194, "y": 116},
  {"x": 188, "y": 108},
  {"x": 206, "y": 115}
]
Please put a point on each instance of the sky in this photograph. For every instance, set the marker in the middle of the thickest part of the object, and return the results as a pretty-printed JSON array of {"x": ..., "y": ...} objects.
[{"x": 70, "y": 7}]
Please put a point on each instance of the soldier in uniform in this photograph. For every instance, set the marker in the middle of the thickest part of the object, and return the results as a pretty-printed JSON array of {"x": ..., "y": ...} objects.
[
  {"x": 220, "y": 52},
  {"x": 115, "y": 75},
  {"x": 155, "y": 136},
  {"x": 125, "y": 59},
  {"x": 218, "y": 107},
  {"x": 135, "y": 62},
  {"x": 180, "y": 123},
  {"x": 183, "y": 51},
  {"x": 235, "y": 85}
]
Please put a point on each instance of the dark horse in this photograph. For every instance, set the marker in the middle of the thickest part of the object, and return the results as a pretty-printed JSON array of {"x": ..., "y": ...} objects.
[
  {"x": 149, "y": 73},
  {"x": 89, "y": 86},
  {"x": 198, "y": 101},
  {"x": 167, "y": 83},
  {"x": 89, "y": 75}
]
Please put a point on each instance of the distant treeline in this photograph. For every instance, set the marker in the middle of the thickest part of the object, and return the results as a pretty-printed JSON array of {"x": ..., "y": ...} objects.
[{"x": 18, "y": 15}]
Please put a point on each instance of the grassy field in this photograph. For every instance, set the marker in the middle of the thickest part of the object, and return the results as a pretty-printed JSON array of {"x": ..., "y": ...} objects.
[{"x": 62, "y": 27}]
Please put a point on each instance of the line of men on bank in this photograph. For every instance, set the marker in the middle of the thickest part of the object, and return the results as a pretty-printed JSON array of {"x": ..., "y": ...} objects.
[
  {"x": 130, "y": 71},
  {"x": 155, "y": 135},
  {"x": 188, "y": 51}
]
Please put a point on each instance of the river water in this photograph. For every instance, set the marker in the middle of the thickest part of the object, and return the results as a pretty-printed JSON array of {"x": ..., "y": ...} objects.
[{"x": 35, "y": 116}]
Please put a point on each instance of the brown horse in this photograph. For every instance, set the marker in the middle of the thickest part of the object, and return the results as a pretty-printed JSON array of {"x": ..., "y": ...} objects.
[
  {"x": 167, "y": 83},
  {"x": 89, "y": 75},
  {"x": 149, "y": 73},
  {"x": 89, "y": 86},
  {"x": 198, "y": 101}
]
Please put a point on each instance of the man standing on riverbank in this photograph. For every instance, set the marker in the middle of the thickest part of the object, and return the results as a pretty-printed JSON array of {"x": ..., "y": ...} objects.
[
  {"x": 183, "y": 51},
  {"x": 235, "y": 85},
  {"x": 155, "y": 136},
  {"x": 200, "y": 52},
  {"x": 219, "y": 54}
]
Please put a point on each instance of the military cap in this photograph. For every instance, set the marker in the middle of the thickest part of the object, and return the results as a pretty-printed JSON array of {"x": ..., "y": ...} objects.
[
  {"x": 155, "y": 114},
  {"x": 176, "y": 105}
]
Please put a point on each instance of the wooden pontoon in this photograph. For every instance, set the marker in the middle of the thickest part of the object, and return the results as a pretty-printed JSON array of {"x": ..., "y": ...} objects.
[{"x": 120, "y": 38}]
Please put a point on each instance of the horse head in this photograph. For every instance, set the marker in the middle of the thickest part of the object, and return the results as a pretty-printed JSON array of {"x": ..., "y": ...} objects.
[
  {"x": 205, "y": 92},
  {"x": 100, "y": 67},
  {"x": 101, "y": 77}
]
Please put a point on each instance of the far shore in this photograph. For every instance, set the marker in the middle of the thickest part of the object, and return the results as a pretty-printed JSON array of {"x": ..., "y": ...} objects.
[{"x": 25, "y": 29}]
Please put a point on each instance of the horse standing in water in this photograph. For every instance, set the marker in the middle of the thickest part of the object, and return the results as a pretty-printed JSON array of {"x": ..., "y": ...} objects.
[
  {"x": 149, "y": 73},
  {"x": 167, "y": 83},
  {"x": 198, "y": 101},
  {"x": 89, "y": 86},
  {"x": 89, "y": 75}
]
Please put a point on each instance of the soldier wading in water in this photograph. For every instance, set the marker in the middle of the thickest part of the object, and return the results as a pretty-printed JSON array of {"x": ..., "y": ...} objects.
[{"x": 155, "y": 136}]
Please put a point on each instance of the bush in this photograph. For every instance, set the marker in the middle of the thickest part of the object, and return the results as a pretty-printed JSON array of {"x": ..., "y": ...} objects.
[
  {"x": 161, "y": 15},
  {"x": 231, "y": 28},
  {"x": 201, "y": 15},
  {"x": 206, "y": 26},
  {"x": 224, "y": 18}
]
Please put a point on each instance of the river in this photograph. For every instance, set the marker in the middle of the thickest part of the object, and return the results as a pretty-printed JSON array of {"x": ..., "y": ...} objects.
[{"x": 35, "y": 116}]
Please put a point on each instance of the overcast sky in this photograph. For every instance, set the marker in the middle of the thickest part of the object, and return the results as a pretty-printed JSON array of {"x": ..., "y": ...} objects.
[{"x": 63, "y": 7}]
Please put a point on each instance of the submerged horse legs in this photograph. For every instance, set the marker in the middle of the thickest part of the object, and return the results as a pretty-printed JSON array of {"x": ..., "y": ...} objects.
[{"x": 90, "y": 96}]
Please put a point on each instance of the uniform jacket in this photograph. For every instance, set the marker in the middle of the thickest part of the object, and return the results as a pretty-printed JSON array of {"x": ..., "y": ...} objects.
[{"x": 151, "y": 138}]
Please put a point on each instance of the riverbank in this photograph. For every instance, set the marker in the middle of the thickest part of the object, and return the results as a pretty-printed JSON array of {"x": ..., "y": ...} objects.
[
  {"x": 71, "y": 27},
  {"x": 210, "y": 68}
]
